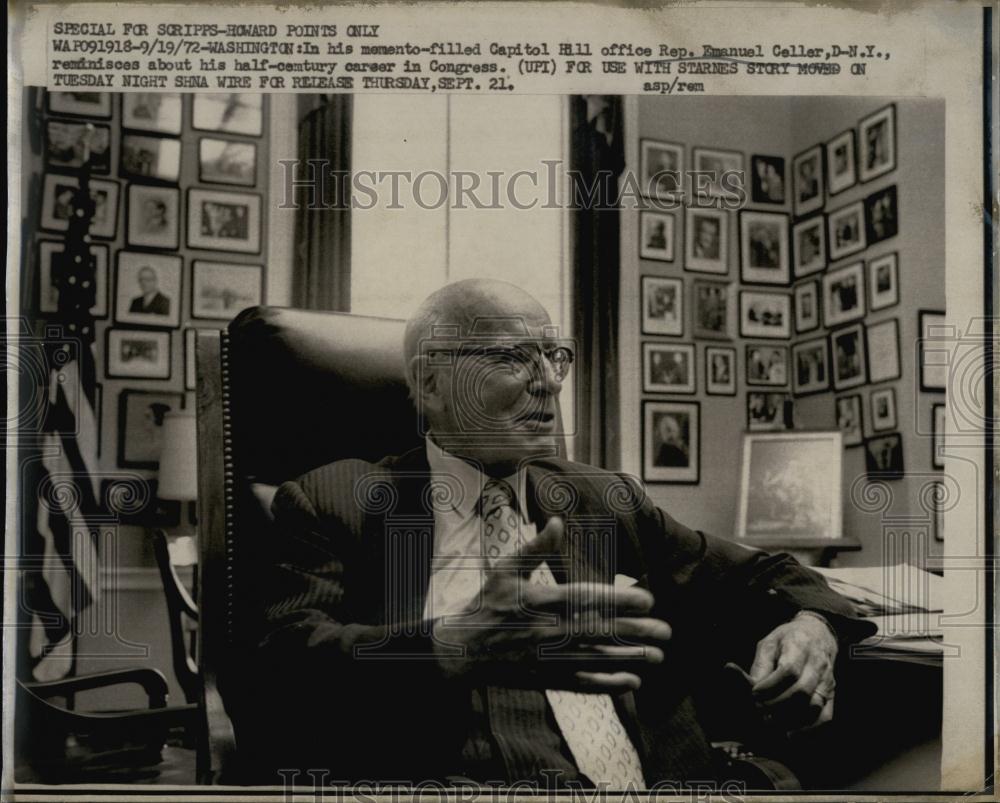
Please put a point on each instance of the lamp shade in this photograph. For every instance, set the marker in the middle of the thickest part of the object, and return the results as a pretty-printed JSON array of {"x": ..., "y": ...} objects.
[{"x": 179, "y": 458}]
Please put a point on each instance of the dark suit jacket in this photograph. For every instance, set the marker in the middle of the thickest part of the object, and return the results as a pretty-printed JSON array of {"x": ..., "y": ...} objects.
[
  {"x": 158, "y": 305},
  {"x": 349, "y": 564}
]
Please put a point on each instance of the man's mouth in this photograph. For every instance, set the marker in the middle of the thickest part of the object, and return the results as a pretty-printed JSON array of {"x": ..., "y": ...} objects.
[{"x": 537, "y": 419}]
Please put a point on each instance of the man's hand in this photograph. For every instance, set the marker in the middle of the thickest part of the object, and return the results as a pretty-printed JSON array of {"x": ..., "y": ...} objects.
[
  {"x": 581, "y": 636},
  {"x": 792, "y": 673}
]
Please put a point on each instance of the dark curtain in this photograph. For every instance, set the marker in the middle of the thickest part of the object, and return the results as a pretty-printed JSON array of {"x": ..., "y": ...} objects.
[
  {"x": 321, "y": 277},
  {"x": 596, "y": 160}
]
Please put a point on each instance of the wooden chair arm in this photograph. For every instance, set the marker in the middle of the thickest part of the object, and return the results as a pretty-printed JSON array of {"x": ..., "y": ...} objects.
[
  {"x": 151, "y": 680},
  {"x": 218, "y": 761}
]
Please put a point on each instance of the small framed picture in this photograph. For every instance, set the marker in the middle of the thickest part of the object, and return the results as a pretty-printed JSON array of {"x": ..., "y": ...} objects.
[
  {"x": 714, "y": 315},
  {"x": 671, "y": 441},
  {"x": 151, "y": 158},
  {"x": 219, "y": 290},
  {"x": 883, "y": 409},
  {"x": 935, "y": 349},
  {"x": 883, "y": 351},
  {"x": 841, "y": 167},
  {"x": 768, "y": 411},
  {"x": 148, "y": 289},
  {"x": 849, "y": 420},
  {"x": 881, "y": 215},
  {"x": 81, "y": 104},
  {"x": 850, "y": 367},
  {"x": 807, "y": 306},
  {"x": 668, "y": 368},
  {"x": 656, "y": 236},
  {"x": 844, "y": 294},
  {"x": 138, "y": 353},
  {"x": 720, "y": 371},
  {"x": 48, "y": 291},
  {"x": 807, "y": 181},
  {"x": 58, "y": 191},
  {"x": 877, "y": 141},
  {"x": 153, "y": 216},
  {"x": 846, "y": 230},
  {"x": 810, "y": 367},
  {"x": 706, "y": 240},
  {"x": 140, "y": 426},
  {"x": 767, "y": 179},
  {"x": 765, "y": 314},
  {"x": 883, "y": 282},
  {"x": 809, "y": 245},
  {"x": 720, "y": 173},
  {"x": 152, "y": 111},
  {"x": 884, "y": 456},
  {"x": 190, "y": 373},
  {"x": 767, "y": 365},
  {"x": 231, "y": 112},
  {"x": 662, "y": 306},
  {"x": 223, "y": 161},
  {"x": 66, "y": 143},
  {"x": 224, "y": 221},
  {"x": 764, "y": 248},
  {"x": 662, "y": 168},
  {"x": 937, "y": 435}
]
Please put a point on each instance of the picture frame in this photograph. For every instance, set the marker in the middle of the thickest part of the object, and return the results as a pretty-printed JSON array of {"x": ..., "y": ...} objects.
[
  {"x": 160, "y": 112},
  {"x": 934, "y": 349},
  {"x": 938, "y": 498},
  {"x": 849, "y": 362},
  {"x": 153, "y": 216},
  {"x": 150, "y": 158},
  {"x": 57, "y": 204},
  {"x": 80, "y": 104},
  {"x": 227, "y": 161},
  {"x": 883, "y": 282},
  {"x": 766, "y": 365},
  {"x": 706, "y": 240},
  {"x": 764, "y": 257},
  {"x": 844, "y": 294},
  {"x": 845, "y": 229},
  {"x": 224, "y": 221},
  {"x": 877, "y": 143},
  {"x": 668, "y": 368},
  {"x": 938, "y": 428},
  {"x": 881, "y": 215},
  {"x": 809, "y": 246},
  {"x": 721, "y": 173},
  {"x": 229, "y": 112},
  {"x": 190, "y": 373},
  {"x": 883, "y": 409},
  {"x": 807, "y": 181},
  {"x": 140, "y": 425},
  {"x": 884, "y": 456},
  {"x": 848, "y": 413},
  {"x": 48, "y": 293},
  {"x": 148, "y": 289},
  {"x": 219, "y": 290},
  {"x": 662, "y": 306},
  {"x": 841, "y": 163},
  {"x": 661, "y": 165},
  {"x": 810, "y": 367},
  {"x": 671, "y": 442},
  {"x": 883, "y": 351},
  {"x": 768, "y": 411},
  {"x": 807, "y": 306},
  {"x": 137, "y": 353},
  {"x": 713, "y": 306},
  {"x": 656, "y": 236},
  {"x": 765, "y": 314},
  {"x": 133, "y": 500},
  {"x": 720, "y": 371},
  {"x": 768, "y": 180},
  {"x": 65, "y": 145}
]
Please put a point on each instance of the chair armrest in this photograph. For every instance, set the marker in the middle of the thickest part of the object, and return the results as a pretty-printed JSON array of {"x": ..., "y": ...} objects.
[
  {"x": 151, "y": 680},
  {"x": 218, "y": 761}
]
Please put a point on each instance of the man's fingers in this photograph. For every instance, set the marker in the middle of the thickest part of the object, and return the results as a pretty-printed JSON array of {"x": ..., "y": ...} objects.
[
  {"x": 603, "y": 599},
  {"x": 763, "y": 662},
  {"x": 606, "y": 682},
  {"x": 546, "y": 544},
  {"x": 805, "y": 684},
  {"x": 789, "y": 665}
]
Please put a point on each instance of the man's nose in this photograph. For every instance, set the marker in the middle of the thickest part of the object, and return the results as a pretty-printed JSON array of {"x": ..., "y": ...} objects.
[{"x": 544, "y": 377}]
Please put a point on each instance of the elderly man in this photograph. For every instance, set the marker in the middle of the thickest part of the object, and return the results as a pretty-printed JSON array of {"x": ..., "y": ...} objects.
[{"x": 553, "y": 624}]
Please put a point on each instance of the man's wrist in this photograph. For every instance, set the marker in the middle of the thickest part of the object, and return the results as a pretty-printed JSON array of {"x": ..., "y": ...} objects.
[{"x": 821, "y": 618}]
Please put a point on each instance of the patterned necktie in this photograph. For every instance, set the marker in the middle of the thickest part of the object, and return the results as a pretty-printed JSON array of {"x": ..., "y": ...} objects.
[{"x": 589, "y": 722}]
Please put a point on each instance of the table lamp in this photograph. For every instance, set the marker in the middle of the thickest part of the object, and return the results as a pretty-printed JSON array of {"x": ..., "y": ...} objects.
[{"x": 178, "y": 478}]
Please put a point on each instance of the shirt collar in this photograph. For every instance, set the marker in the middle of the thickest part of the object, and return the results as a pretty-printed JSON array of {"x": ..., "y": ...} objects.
[{"x": 448, "y": 468}]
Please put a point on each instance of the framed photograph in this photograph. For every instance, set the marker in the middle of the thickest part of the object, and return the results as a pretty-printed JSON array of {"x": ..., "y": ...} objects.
[
  {"x": 884, "y": 456},
  {"x": 150, "y": 158},
  {"x": 765, "y": 314},
  {"x": 764, "y": 248},
  {"x": 937, "y": 435},
  {"x": 809, "y": 246},
  {"x": 706, "y": 240},
  {"x": 133, "y": 500},
  {"x": 66, "y": 141},
  {"x": 849, "y": 420},
  {"x": 714, "y": 315},
  {"x": 767, "y": 179},
  {"x": 656, "y": 236},
  {"x": 48, "y": 292},
  {"x": 881, "y": 215},
  {"x": 153, "y": 216},
  {"x": 138, "y": 353},
  {"x": 148, "y": 289},
  {"x": 844, "y": 294},
  {"x": 224, "y": 221},
  {"x": 810, "y": 367},
  {"x": 720, "y": 371},
  {"x": 668, "y": 368},
  {"x": 223, "y": 161},
  {"x": 140, "y": 426},
  {"x": 846, "y": 230},
  {"x": 807, "y": 307},
  {"x": 662, "y": 306},
  {"x": 877, "y": 141},
  {"x": 768, "y": 411},
  {"x": 841, "y": 165},
  {"x": 935, "y": 337},
  {"x": 722, "y": 173},
  {"x": 807, "y": 181},
  {"x": 847, "y": 347},
  {"x": 58, "y": 191},
  {"x": 81, "y": 104},
  {"x": 662, "y": 168},
  {"x": 883, "y": 282},
  {"x": 152, "y": 111},
  {"x": 767, "y": 365},
  {"x": 810, "y": 504},
  {"x": 190, "y": 374},
  {"x": 939, "y": 495},
  {"x": 219, "y": 290},
  {"x": 883, "y": 351},
  {"x": 671, "y": 442},
  {"x": 231, "y": 112},
  {"x": 883, "y": 409}
]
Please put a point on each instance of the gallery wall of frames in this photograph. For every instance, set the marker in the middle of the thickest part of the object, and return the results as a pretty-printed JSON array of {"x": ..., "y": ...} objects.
[{"x": 799, "y": 309}]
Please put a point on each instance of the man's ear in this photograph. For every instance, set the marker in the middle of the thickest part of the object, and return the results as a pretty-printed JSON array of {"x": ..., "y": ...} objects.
[{"x": 425, "y": 382}]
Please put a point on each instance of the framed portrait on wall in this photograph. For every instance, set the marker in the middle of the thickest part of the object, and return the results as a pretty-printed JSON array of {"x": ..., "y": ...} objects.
[
  {"x": 80, "y": 104},
  {"x": 764, "y": 248},
  {"x": 720, "y": 371},
  {"x": 661, "y": 165},
  {"x": 846, "y": 230},
  {"x": 884, "y": 456},
  {"x": 849, "y": 419},
  {"x": 230, "y": 112},
  {"x": 883, "y": 351},
  {"x": 48, "y": 292},
  {"x": 714, "y": 309},
  {"x": 656, "y": 236},
  {"x": 883, "y": 409},
  {"x": 140, "y": 426},
  {"x": 767, "y": 180},
  {"x": 224, "y": 221},
  {"x": 881, "y": 215},
  {"x": 809, "y": 246},
  {"x": 810, "y": 367},
  {"x": 807, "y": 307},
  {"x": 765, "y": 314},
  {"x": 671, "y": 442},
  {"x": 152, "y": 111},
  {"x": 844, "y": 294},
  {"x": 850, "y": 366},
  {"x": 662, "y": 306},
  {"x": 58, "y": 191},
  {"x": 150, "y": 158},
  {"x": 767, "y": 364},
  {"x": 706, "y": 240},
  {"x": 190, "y": 373},
  {"x": 137, "y": 353},
  {"x": 66, "y": 141},
  {"x": 223, "y": 161},
  {"x": 934, "y": 344},
  {"x": 883, "y": 281},
  {"x": 153, "y": 216},
  {"x": 768, "y": 411},
  {"x": 721, "y": 172},
  {"x": 937, "y": 435},
  {"x": 841, "y": 164},
  {"x": 219, "y": 290},
  {"x": 668, "y": 368},
  {"x": 807, "y": 181},
  {"x": 148, "y": 289},
  {"x": 877, "y": 143}
]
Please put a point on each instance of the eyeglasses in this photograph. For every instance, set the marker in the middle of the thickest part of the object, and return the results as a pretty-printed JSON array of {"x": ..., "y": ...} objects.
[{"x": 521, "y": 358}]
